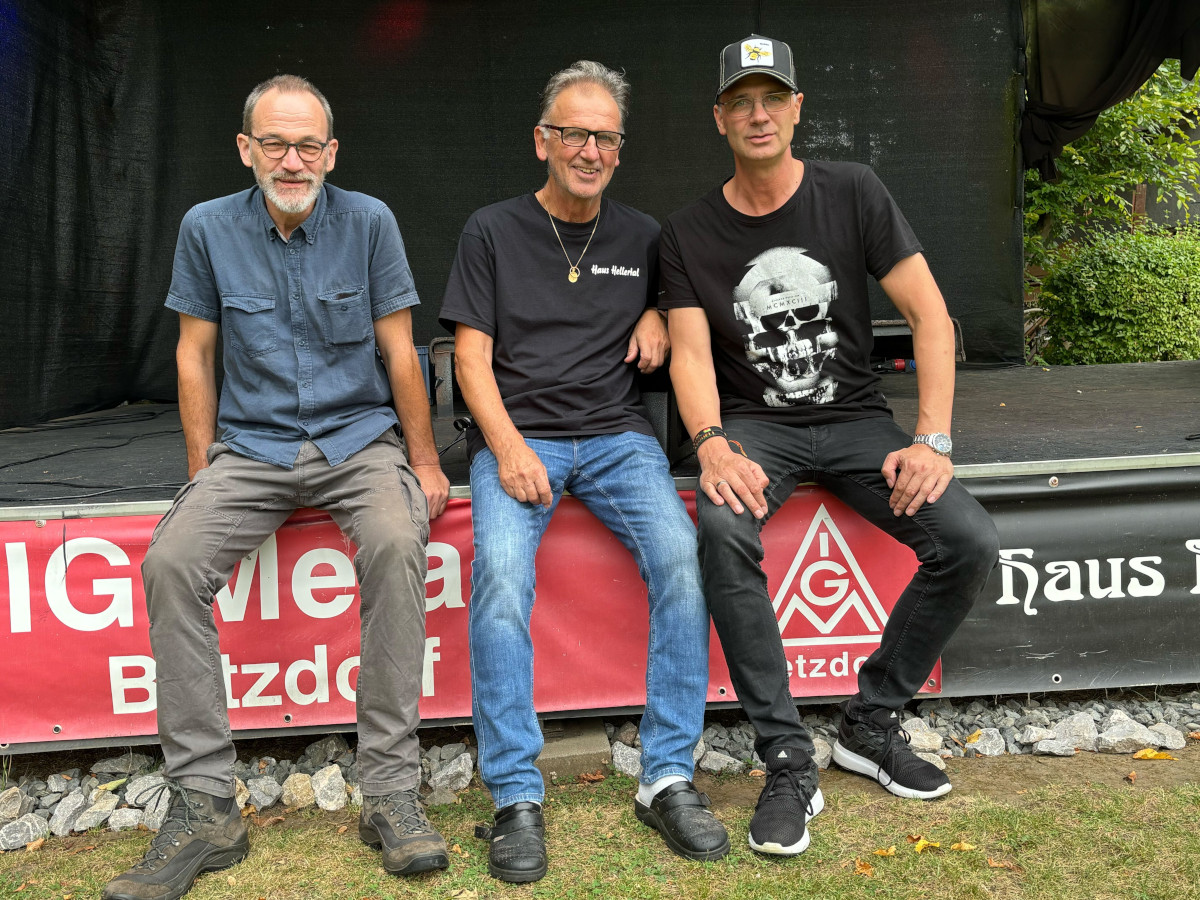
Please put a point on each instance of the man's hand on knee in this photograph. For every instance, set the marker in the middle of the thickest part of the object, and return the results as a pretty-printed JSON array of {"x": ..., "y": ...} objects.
[
  {"x": 523, "y": 476},
  {"x": 436, "y": 486},
  {"x": 916, "y": 475},
  {"x": 728, "y": 477}
]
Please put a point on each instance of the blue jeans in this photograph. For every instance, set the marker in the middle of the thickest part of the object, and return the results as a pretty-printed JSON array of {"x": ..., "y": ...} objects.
[
  {"x": 954, "y": 540},
  {"x": 625, "y": 482}
]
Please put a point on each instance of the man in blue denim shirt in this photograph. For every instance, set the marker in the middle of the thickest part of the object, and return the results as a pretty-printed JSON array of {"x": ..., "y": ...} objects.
[
  {"x": 551, "y": 298},
  {"x": 310, "y": 292}
]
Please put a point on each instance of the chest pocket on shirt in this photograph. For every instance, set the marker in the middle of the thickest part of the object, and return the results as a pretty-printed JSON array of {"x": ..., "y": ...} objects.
[
  {"x": 249, "y": 320},
  {"x": 347, "y": 315}
]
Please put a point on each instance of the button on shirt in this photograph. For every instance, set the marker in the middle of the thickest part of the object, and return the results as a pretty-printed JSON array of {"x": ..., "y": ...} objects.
[{"x": 296, "y": 319}]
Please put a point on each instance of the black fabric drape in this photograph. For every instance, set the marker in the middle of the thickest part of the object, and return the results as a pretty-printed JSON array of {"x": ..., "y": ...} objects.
[{"x": 1088, "y": 56}]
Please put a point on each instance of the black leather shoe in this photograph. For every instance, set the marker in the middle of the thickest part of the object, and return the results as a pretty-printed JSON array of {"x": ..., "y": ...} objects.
[
  {"x": 680, "y": 814},
  {"x": 517, "y": 850}
]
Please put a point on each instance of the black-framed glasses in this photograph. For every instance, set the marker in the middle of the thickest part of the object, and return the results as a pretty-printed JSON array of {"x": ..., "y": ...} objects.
[
  {"x": 578, "y": 137},
  {"x": 274, "y": 148},
  {"x": 741, "y": 107}
]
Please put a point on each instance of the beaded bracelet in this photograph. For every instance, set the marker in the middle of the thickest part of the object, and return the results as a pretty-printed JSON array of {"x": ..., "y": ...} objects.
[{"x": 704, "y": 434}]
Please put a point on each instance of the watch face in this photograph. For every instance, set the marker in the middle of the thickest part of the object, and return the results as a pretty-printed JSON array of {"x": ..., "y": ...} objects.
[{"x": 941, "y": 443}]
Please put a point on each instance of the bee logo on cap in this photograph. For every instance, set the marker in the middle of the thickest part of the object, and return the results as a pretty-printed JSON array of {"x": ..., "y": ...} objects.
[{"x": 757, "y": 53}]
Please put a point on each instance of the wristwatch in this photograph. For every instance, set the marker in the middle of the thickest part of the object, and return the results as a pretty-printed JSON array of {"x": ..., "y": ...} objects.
[{"x": 940, "y": 443}]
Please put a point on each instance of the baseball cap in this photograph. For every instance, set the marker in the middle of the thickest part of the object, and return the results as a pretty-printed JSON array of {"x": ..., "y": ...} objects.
[{"x": 756, "y": 54}]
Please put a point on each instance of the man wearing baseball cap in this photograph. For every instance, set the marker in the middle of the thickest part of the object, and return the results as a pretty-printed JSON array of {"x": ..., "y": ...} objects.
[{"x": 765, "y": 281}]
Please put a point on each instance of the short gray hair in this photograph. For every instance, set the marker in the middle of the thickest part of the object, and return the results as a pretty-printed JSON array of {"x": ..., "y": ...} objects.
[
  {"x": 285, "y": 84},
  {"x": 587, "y": 72}
]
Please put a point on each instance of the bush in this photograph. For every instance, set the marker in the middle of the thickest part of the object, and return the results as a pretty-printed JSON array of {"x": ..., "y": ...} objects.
[{"x": 1125, "y": 297}]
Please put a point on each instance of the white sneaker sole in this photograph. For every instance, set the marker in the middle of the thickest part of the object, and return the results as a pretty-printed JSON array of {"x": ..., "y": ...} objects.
[
  {"x": 864, "y": 766},
  {"x": 818, "y": 804}
]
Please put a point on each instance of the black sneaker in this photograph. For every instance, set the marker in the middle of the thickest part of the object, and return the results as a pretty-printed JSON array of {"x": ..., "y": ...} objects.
[
  {"x": 397, "y": 824},
  {"x": 876, "y": 746},
  {"x": 517, "y": 843},
  {"x": 788, "y": 800},
  {"x": 201, "y": 833}
]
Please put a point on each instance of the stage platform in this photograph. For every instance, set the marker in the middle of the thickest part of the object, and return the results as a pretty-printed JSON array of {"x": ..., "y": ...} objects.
[{"x": 1003, "y": 417}]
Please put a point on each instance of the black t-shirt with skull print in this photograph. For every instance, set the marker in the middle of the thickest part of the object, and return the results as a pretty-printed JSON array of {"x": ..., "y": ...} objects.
[{"x": 786, "y": 293}]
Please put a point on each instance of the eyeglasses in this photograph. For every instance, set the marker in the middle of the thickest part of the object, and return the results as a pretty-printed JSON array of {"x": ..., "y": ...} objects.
[
  {"x": 578, "y": 137},
  {"x": 771, "y": 103},
  {"x": 274, "y": 148}
]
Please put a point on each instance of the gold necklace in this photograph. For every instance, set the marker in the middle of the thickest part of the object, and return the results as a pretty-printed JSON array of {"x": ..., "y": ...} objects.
[{"x": 573, "y": 272}]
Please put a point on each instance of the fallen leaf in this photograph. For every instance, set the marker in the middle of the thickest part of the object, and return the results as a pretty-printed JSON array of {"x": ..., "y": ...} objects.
[
  {"x": 922, "y": 845},
  {"x": 592, "y": 777},
  {"x": 1131, "y": 777},
  {"x": 343, "y": 829},
  {"x": 890, "y": 851},
  {"x": 262, "y": 765},
  {"x": 457, "y": 848},
  {"x": 231, "y": 880},
  {"x": 35, "y": 845},
  {"x": 1153, "y": 754},
  {"x": 913, "y": 838},
  {"x": 962, "y": 846},
  {"x": 1194, "y": 735},
  {"x": 1004, "y": 404},
  {"x": 863, "y": 868},
  {"x": 22, "y": 887},
  {"x": 266, "y": 822},
  {"x": 1004, "y": 864},
  {"x": 463, "y": 894},
  {"x": 759, "y": 773},
  {"x": 112, "y": 785},
  {"x": 974, "y": 735},
  {"x": 1023, "y": 791},
  {"x": 248, "y": 810}
]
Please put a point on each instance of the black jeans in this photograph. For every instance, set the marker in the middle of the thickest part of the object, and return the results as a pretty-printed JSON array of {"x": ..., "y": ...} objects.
[{"x": 954, "y": 540}]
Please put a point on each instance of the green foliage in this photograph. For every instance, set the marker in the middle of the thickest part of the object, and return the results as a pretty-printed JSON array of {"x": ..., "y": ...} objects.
[
  {"x": 1125, "y": 297},
  {"x": 1143, "y": 140}
]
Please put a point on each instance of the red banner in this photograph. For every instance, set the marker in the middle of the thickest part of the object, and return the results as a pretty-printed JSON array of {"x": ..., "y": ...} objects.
[{"x": 76, "y": 660}]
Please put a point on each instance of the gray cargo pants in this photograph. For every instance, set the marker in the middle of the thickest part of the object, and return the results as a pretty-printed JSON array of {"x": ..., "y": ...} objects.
[{"x": 228, "y": 510}]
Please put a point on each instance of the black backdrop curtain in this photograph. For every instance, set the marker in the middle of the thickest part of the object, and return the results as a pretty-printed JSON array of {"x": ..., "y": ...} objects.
[
  {"x": 116, "y": 116},
  {"x": 1090, "y": 55}
]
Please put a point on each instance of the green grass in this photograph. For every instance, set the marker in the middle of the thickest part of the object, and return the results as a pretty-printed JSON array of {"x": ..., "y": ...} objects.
[{"x": 1076, "y": 841}]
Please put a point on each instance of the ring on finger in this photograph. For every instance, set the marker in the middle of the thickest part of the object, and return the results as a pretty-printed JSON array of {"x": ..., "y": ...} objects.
[{"x": 717, "y": 486}]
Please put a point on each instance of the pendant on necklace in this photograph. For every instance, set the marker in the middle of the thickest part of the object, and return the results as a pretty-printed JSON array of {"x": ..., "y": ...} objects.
[{"x": 573, "y": 275}]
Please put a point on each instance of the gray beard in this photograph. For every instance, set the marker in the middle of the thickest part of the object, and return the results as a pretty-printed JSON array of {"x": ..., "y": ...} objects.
[{"x": 291, "y": 205}]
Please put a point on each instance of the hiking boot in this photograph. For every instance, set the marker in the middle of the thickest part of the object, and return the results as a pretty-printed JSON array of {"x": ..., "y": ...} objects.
[
  {"x": 788, "y": 800},
  {"x": 397, "y": 824},
  {"x": 517, "y": 843},
  {"x": 201, "y": 833},
  {"x": 680, "y": 814},
  {"x": 876, "y": 746}
]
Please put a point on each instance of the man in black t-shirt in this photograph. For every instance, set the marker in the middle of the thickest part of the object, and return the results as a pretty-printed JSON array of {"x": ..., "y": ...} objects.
[
  {"x": 765, "y": 280},
  {"x": 551, "y": 299}
]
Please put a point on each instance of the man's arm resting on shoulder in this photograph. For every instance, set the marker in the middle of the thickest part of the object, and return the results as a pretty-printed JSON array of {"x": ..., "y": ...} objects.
[
  {"x": 393, "y": 337},
  {"x": 196, "y": 359},
  {"x": 917, "y": 474},
  {"x": 649, "y": 343},
  {"x": 726, "y": 476},
  {"x": 521, "y": 472}
]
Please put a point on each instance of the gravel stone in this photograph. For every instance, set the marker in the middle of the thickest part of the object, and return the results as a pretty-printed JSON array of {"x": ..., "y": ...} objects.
[
  {"x": 718, "y": 763},
  {"x": 297, "y": 791},
  {"x": 97, "y": 813},
  {"x": 125, "y": 817},
  {"x": 454, "y": 775},
  {"x": 628, "y": 734},
  {"x": 626, "y": 760},
  {"x": 1126, "y": 736},
  {"x": 699, "y": 750},
  {"x": 452, "y": 751},
  {"x": 24, "y": 830},
  {"x": 1167, "y": 737},
  {"x": 59, "y": 784},
  {"x": 265, "y": 791},
  {"x": 990, "y": 743},
  {"x": 11, "y": 801},
  {"x": 324, "y": 751},
  {"x": 125, "y": 764},
  {"x": 822, "y": 752},
  {"x": 932, "y": 758},
  {"x": 921, "y": 736},
  {"x": 1054, "y": 748},
  {"x": 1034, "y": 734},
  {"x": 329, "y": 788},
  {"x": 241, "y": 793},
  {"x": 47, "y": 801},
  {"x": 67, "y": 811},
  {"x": 1078, "y": 730},
  {"x": 441, "y": 797}
]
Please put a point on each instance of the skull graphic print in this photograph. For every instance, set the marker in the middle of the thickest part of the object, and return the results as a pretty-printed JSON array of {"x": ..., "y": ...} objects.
[{"x": 783, "y": 301}]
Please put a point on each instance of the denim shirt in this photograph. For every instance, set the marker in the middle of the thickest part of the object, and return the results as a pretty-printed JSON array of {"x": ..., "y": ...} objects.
[{"x": 296, "y": 319}]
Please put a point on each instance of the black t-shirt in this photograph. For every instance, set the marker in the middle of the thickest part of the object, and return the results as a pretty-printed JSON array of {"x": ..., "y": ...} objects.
[
  {"x": 786, "y": 293},
  {"x": 558, "y": 348}
]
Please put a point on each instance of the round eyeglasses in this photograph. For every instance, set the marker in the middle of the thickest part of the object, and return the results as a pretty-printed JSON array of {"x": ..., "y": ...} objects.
[
  {"x": 274, "y": 148},
  {"x": 578, "y": 137},
  {"x": 741, "y": 107}
]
